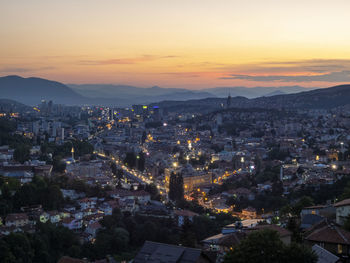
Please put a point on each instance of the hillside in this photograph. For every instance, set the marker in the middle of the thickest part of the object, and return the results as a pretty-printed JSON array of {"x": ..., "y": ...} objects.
[
  {"x": 32, "y": 90},
  {"x": 326, "y": 98},
  {"x": 7, "y": 105}
]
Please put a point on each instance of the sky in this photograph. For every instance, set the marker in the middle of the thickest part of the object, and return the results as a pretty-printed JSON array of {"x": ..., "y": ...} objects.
[{"x": 190, "y": 44}]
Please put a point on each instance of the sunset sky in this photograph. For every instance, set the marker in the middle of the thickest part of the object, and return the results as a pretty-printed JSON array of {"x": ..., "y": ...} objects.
[{"x": 178, "y": 43}]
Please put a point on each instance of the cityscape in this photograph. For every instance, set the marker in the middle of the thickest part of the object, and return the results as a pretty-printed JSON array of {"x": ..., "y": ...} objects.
[{"x": 241, "y": 154}]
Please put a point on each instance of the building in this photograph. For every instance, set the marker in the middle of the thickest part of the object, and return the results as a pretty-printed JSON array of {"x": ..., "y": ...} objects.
[
  {"x": 182, "y": 215},
  {"x": 159, "y": 252},
  {"x": 342, "y": 211},
  {"x": 249, "y": 212},
  {"x": 192, "y": 182},
  {"x": 330, "y": 237},
  {"x": 18, "y": 219}
]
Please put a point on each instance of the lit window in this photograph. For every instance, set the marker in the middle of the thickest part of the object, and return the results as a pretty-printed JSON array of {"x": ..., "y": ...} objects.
[{"x": 340, "y": 249}]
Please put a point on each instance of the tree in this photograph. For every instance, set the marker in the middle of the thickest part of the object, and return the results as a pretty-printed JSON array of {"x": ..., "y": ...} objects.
[
  {"x": 176, "y": 188},
  {"x": 296, "y": 253},
  {"x": 141, "y": 162},
  {"x": 22, "y": 153},
  {"x": 305, "y": 201},
  {"x": 259, "y": 247},
  {"x": 265, "y": 246},
  {"x": 130, "y": 159},
  {"x": 153, "y": 190}
]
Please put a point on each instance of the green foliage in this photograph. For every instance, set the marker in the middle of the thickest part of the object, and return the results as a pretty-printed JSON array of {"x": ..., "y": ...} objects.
[
  {"x": 176, "y": 187},
  {"x": 39, "y": 191},
  {"x": 141, "y": 161},
  {"x": 22, "y": 153},
  {"x": 265, "y": 246},
  {"x": 305, "y": 201},
  {"x": 48, "y": 244},
  {"x": 130, "y": 159},
  {"x": 153, "y": 190}
]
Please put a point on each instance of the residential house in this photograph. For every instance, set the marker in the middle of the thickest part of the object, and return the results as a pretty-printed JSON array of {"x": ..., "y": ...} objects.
[
  {"x": 330, "y": 237},
  {"x": 72, "y": 223},
  {"x": 93, "y": 228},
  {"x": 44, "y": 217},
  {"x": 342, "y": 211},
  {"x": 249, "y": 212},
  {"x": 182, "y": 215},
  {"x": 159, "y": 252},
  {"x": 86, "y": 203},
  {"x": 18, "y": 219},
  {"x": 54, "y": 217},
  {"x": 324, "y": 256}
]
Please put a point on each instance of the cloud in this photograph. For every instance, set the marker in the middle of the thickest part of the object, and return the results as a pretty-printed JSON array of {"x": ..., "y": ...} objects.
[
  {"x": 341, "y": 76},
  {"x": 23, "y": 69},
  {"x": 125, "y": 61},
  {"x": 283, "y": 67},
  {"x": 183, "y": 74}
]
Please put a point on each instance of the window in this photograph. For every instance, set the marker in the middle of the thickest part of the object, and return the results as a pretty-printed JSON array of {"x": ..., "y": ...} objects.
[{"x": 340, "y": 249}]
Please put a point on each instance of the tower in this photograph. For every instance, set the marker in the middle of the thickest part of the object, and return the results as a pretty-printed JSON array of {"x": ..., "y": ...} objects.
[
  {"x": 228, "y": 103},
  {"x": 72, "y": 152}
]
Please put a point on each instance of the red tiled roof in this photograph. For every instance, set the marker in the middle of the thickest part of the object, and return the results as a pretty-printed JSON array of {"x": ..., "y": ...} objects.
[
  {"x": 281, "y": 231},
  {"x": 70, "y": 260},
  {"x": 330, "y": 234},
  {"x": 345, "y": 202},
  {"x": 185, "y": 213},
  {"x": 15, "y": 217}
]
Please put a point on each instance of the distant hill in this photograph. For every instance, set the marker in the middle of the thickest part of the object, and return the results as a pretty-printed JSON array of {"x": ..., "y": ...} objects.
[
  {"x": 326, "y": 98},
  {"x": 154, "y": 94},
  {"x": 135, "y": 95},
  {"x": 32, "y": 90},
  {"x": 7, "y": 105},
  {"x": 255, "y": 92}
]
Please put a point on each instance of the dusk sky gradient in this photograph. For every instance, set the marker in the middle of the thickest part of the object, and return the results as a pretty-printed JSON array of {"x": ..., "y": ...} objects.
[{"x": 178, "y": 43}]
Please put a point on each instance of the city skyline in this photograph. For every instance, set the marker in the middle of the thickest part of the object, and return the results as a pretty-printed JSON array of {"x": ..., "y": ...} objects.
[{"x": 183, "y": 44}]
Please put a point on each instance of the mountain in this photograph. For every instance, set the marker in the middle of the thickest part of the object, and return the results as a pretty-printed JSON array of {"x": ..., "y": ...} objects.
[
  {"x": 274, "y": 93},
  {"x": 153, "y": 94},
  {"x": 255, "y": 92},
  {"x": 135, "y": 95},
  {"x": 7, "y": 105},
  {"x": 32, "y": 90},
  {"x": 327, "y": 98}
]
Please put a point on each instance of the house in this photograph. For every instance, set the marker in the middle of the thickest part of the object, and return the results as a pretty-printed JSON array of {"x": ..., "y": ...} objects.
[
  {"x": 320, "y": 210},
  {"x": 93, "y": 228},
  {"x": 242, "y": 193},
  {"x": 182, "y": 215},
  {"x": 77, "y": 214},
  {"x": 66, "y": 259},
  {"x": 249, "y": 212},
  {"x": 323, "y": 255},
  {"x": 342, "y": 211},
  {"x": 86, "y": 203},
  {"x": 18, "y": 219},
  {"x": 44, "y": 217},
  {"x": 72, "y": 223},
  {"x": 54, "y": 217},
  {"x": 223, "y": 242},
  {"x": 310, "y": 220},
  {"x": 159, "y": 252},
  {"x": 106, "y": 209},
  {"x": 330, "y": 237},
  {"x": 142, "y": 196}
]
